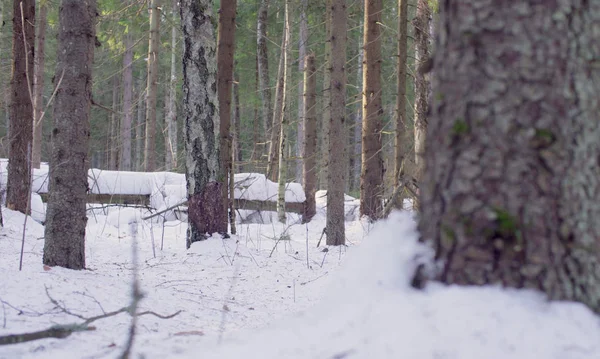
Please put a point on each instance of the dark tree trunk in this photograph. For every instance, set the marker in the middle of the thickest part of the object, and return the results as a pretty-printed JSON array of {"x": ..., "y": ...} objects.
[
  {"x": 125, "y": 133},
  {"x": 21, "y": 107},
  {"x": 263, "y": 69},
  {"x": 511, "y": 189},
  {"x": 66, "y": 215},
  {"x": 400, "y": 135},
  {"x": 38, "y": 86},
  {"x": 421, "y": 23},
  {"x": 310, "y": 138},
  {"x": 201, "y": 114},
  {"x": 152, "y": 87}
]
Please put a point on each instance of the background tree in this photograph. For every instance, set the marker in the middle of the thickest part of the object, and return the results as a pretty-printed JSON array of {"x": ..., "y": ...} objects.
[
  {"x": 172, "y": 143},
  {"x": 38, "y": 83},
  {"x": 21, "y": 106},
  {"x": 127, "y": 116},
  {"x": 201, "y": 114},
  {"x": 151, "y": 92},
  {"x": 400, "y": 135},
  {"x": 66, "y": 216},
  {"x": 421, "y": 24},
  {"x": 310, "y": 138},
  {"x": 263, "y": 67},
  {"x": 510, "y": 191}
]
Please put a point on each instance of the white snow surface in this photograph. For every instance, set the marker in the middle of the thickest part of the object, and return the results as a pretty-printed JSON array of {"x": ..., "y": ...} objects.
[{"x": 253, "y": 296}]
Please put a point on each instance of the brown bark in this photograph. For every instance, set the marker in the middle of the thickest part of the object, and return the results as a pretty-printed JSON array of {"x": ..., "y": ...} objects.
[
  {"x": 302, "y": 40},
  {"x": 21, "y": 107},
  {"x": 152, "y": 87},
  {"x": 336, "y": 179},
  {"x": 310, "y": 138},
  {"x": 263, "y": 67},
  {"x": 125, "y": 131},
  {"x": 38, "y": 86},
  {"x": 326, "y": 96},
  {"x": 421, "y": 24},
  {"x": 371, "y": 179},
  {"x": 115, "y": 139},
  {"x": 237, "y": 127},
  {"x": 66, "y": 215},
  {"x": 225, "y": 52},
  {"x": 139, "y": 127},
  {"x": 171, "y": 136},
  {"x": 511, "y": 189}
]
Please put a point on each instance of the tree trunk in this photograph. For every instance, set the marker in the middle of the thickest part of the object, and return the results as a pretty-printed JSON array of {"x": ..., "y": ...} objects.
[
  {"x": 225, "y": 52},
  {"x": 38, "y": 85},
  {"x": 355, "y": 169},
  {"x": 302, "y": 40},
  {"x": 263, "y": 68},
  {"x": 281, "y": 177},
  {"x": 310, "y": 138},
  {"x": 21, "y": 108},
  {"x": 114, "y": 128},
  {"x": 400, "y": 134},
  {"x": 237, "y": 127},
  {"x": 511, "y": 187},
  {"x": 171, "y": 150},
  {"x": 371, "y": 179},
  {"x": 278, "y": 114},
  {"x": 152, "y": 87},
  {"x": 336, "y": 179},
  {"x": 201, "y": 114},
  {"x": 125, "y": 155},
  {"x": 421, "y": 24},
  {"x": 66, "y": 215},
  {"x": 324, "y": 165}
]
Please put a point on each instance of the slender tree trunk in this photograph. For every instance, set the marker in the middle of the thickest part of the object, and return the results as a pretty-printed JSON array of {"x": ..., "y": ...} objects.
[
  {"x": 114, "y": 128},
  {"x": 281, "y": 177},
  {"x": 371, "y": 181},
  {"x": 263, "y": 67},
  {"x": 511, "y": 188},
  {"x": 257, "y": 126},
  {"x": 225, "y": 52},
  {"x": 400, "y": 135},
  {"x": 336, "y": 179},
  {"x": 310, "y": 138},
  {"x": 355, "y": 171},
  {"x": 139, "y": 128},
  {"x": 66, "y": 215},
  {"x": 171, "y": 150},
  {"x": 125, "y": 155},
  {"x": 324, "y": 165},
  {"x": 278, "y": 114},
  {"x": 202, "y": 127},
  {"x": 421, "y": 24},
  {"x": 237, "y": 126},
  {"x": 38, "y": 85},
  {"x": 152, "y": 87},
  {"x": 302, "y": 40}
]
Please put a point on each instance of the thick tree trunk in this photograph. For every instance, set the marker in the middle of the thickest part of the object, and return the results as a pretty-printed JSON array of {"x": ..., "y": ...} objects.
[
  {"x": 263, "y": 68},
  {"x": 125, "y": 155},
  {"x": 139, "y": 127},
  {"x": 225, "y": 52},
  {"x": 201, "y": 114},
  {"x": 511, "y": 188},
  {"x": 421, "y": 24},
  {"x": 171, "y": 150},
  {"x": 21, "y": 107},
  {"x": 66, "y": 215},
  {"x": 336, "y": 179},
  {"x": 310, "y": 138},
  {"x": 302, "y": 40},
  {"x": 278, "y": 114},
  {"x": 400, "y": 135},
  {"x": 38, "y": 85},
  {"x": 371, "y": 179},
  {"x": 152, "y": 87},
  {"x": 114, "y": 128}
]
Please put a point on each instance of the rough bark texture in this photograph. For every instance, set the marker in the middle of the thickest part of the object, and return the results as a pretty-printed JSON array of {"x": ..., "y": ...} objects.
[
  {"x": 281, "y": 167},
  {"x": 172, "y": 143},
  {"x": 336, "y": 179},
  {"x": 400, "y": 135},
  {"x": 263, "y": 67},
  {"x": 356, "y": 165},
  {"x": 153, "y": 48},
  {"x": 225, "y": 51},
  {"x": 21, "y": 107},
  {"x": 302, "y": 40},
  {"x": 310, "y": 138},
  {"x": 66, "y": 214},
  {"x": 38, "y": 85},
  {"x": 371, "y": 178},
  {"x": 326, "y": 96},
  {"x": 278, "y": 114},
  {"x": 201, "y": 114},
  {"x": 125, "y": 155},
  {"x": 421, "y": 24},
  {"x": 511, "y": 192}
]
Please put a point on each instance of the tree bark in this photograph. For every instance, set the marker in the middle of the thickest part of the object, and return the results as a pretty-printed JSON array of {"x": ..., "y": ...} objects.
[
  {"x": 139, "y": 127},
  {"x": 326, "y": 96},
  {"x": 66, "y": 215},
  {"x": 237, "y": 127},
  {"x": 302, "y": 40},
  {"x": 172, "y": 143},
  {"x": 38, "y": 85},
  {"x": 21, "y": 107},
  {"x": 421, "y": 24},
  {"x": 371, "y": 179},
  {"x": 225, "y": 52},
  {"x": 356, "y": 164},
  {"x": 263, "y": 68},
  {"x": 201, "y": 114},
  {"x": 310, "y": 138},
  {"x": 152, "y": 87},
  {"x": 281, "y": 167},
  {"x": 125, "y": 155},
  {"x": 511, "y": 187},
  {"x": 336, "y": 179},
  {"x": 114, "y": 128}
]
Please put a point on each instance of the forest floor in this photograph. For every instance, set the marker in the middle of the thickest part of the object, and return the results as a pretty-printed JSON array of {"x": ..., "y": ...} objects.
[{"x": 254, "y": 296}]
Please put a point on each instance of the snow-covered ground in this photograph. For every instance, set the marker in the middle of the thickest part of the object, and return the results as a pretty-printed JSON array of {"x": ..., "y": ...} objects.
[{"x": 255, "y": 296}]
